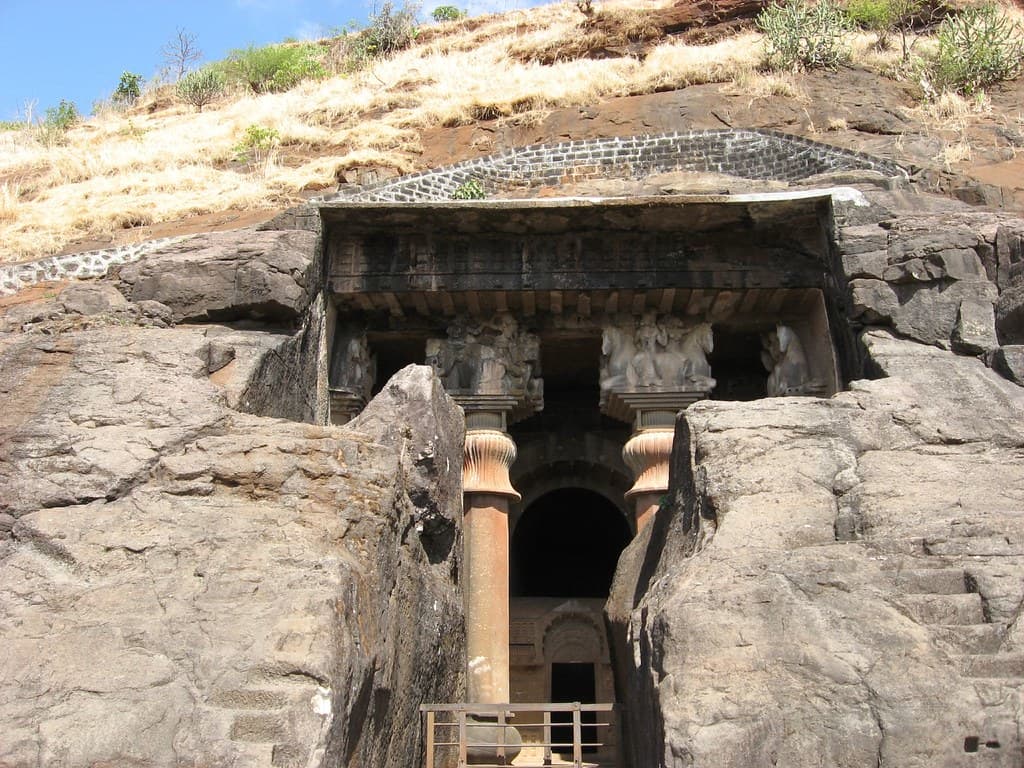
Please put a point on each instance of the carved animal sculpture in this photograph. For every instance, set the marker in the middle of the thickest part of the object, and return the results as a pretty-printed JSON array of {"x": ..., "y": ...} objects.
[
  {"x": 790, "y": 375},
  {"x": 617, "y": 350},
  {"x": 698, "y": 345},
  {"x": 650, "y": 339},
  {"x": 687, "y": 366}
]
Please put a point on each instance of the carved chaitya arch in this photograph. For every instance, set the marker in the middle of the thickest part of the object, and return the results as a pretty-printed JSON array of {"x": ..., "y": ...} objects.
[{"x": 573, "y": 637}]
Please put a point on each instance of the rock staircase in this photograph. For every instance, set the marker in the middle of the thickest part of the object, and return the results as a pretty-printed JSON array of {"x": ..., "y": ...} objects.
[
  {"x": 274, "y": 715},
  {"x": 938, "y": 594}
]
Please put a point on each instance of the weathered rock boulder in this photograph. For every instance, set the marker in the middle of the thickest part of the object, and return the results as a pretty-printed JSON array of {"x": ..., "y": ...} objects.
[
  {"x": 1009, "y": 361},
  {"x": 266, "y": 275},
  {"x": 834, "y": 582},
  {"x": 925, "y": 276},
  {"x": 1010, "y": 315},
  {"x": 182, "y": 583}
]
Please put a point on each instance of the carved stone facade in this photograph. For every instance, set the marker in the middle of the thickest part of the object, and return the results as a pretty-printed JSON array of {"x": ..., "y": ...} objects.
[
  {"x": 489, "y": 358},
  {"x": 633, "y": 312}
]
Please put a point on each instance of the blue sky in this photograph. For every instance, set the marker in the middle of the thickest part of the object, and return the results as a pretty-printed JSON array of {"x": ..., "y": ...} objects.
[{"x": 76, "y": 49}]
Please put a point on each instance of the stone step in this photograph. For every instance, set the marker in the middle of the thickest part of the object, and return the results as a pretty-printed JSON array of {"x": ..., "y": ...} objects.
[
  {"x": 970, "y": 638},
  {"x": 995, "y": 665},
  {"x": 935, "y": 581},
  {"x": 251, "y": 699},
  {"x": 908, "y": 555},
  {"x": 944, "y": 609}
]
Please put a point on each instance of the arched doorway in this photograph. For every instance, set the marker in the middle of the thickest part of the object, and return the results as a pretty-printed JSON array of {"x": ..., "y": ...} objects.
[
  {"x": 567, "y": 544},
  {"x": 564, "y": 549}
]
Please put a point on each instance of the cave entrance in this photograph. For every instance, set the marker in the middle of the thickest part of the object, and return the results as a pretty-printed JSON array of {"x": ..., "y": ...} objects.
[
  {"x": 566, "y": 545},
  {"x": 573, "y": 682},
  {"x": 564, "y": 550}
]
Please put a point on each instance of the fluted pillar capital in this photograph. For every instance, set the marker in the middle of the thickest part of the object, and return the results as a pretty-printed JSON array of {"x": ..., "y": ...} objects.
[
  {"x": 647, "y": 454},
  {"x": 488, "y": 455}
]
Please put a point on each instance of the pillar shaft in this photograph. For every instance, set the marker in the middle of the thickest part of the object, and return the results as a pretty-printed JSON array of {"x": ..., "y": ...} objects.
[
  {"x": 487, "y": 612},
  {"x": 487, "y": 491}
]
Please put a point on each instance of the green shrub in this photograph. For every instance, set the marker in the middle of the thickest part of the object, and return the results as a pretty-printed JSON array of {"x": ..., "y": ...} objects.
[
  {"x": 802, "y": 35},
  {"x": 884, "y": 17},
  {"x": 61, "y": 117},
  {"x": 447, "y": 13},
  {"x": 878, "y": 16},
  {"x": 469, "y": 190},
  {"x": 276, "y": 68},
  {"x": 202, "y": 87},
  {"x": 390, "y": 31},
  {"x": 129, "y": 88},
  {"x": 55, "y": 124},
  {"x": 257, "y": 145},
  {"x": 977, "y": 48},
  {"x": 11, "y": 125}
]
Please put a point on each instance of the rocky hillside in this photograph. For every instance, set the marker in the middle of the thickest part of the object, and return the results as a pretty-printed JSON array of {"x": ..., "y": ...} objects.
[
  {"x": 186, "y": 579},
  {"x": 477, "y": 86},
  {"x": 195, "y": 570}
]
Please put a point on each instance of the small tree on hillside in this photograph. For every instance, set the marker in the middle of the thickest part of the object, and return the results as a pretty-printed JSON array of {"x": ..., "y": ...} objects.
[
  {"x": 180, "y": 53},
  {"x": 128, "y": 90}
]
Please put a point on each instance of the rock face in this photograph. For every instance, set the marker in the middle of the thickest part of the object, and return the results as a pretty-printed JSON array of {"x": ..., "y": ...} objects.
[
  {"x": 228, "y": 275},
  {"x": 835, "y": 581},
  {"x": 838, "y": 582},
  {"x": 183, "y": 583}
]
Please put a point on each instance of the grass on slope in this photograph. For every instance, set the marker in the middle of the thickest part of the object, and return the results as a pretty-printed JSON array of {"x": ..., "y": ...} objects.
[{"x": 119, "y": 171}]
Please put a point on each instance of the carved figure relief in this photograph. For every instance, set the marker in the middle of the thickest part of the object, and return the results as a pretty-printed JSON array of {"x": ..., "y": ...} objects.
[
  {"x": 784, "y": 358},
  {"x": 491, "y": 357},
  {"x": 353, "y": 368},
  {"x": 656, "y": 355}
]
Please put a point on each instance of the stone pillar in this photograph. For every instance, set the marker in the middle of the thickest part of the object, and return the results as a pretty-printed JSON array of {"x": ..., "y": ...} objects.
[
  {"x": 651, "y": 368},
  {"x": 487, "y": 492},
  {"x": 647, "y": 454},
  {"x": 352, "y": 372}
]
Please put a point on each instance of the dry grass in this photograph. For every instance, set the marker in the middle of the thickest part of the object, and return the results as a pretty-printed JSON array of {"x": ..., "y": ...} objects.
[
  {"x": 766, "y": 85},
  {"x": 9, "y": 196},
  {"x": 118, "y": 171}
]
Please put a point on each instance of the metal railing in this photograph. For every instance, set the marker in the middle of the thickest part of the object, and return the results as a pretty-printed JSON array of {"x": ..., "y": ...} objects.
[{"x": 459, "y": 735}]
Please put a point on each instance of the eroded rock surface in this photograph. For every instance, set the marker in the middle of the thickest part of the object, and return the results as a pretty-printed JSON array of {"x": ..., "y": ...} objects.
[
  {"x": 183, "y": 583},
  {"x": 228, "y": 275},
  {"x": 835, "y": 582}
]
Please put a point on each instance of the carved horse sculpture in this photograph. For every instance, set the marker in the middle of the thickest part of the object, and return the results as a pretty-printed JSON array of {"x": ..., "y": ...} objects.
[
  {"x": 687, "y": 366},
  {"x": 790, "y": 374},
  {"x": 617, "y": 350},
  {"x": 656, "y": 357}
]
